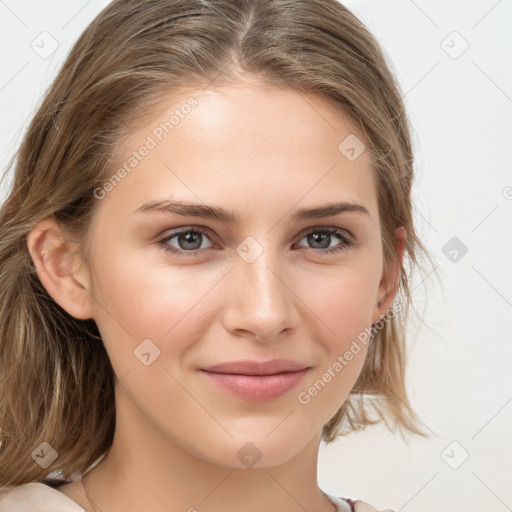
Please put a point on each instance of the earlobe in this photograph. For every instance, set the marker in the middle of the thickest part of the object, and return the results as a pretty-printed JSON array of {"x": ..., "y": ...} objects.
[
  {"x": 60, "y": 271},
  {"x": 390, "y": 282}
]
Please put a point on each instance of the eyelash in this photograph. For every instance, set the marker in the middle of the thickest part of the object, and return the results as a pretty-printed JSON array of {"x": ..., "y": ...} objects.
[{"x": 346, "y": 241}]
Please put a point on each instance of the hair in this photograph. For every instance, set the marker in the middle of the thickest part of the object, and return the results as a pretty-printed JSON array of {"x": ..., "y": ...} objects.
[{"x": 56, "y": 381}]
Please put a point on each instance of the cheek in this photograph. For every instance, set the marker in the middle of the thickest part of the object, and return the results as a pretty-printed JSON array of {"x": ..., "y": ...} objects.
[
  {"x": 136, "y": 302},
  {"x": 342, "y": 302},
  {"x": 342, "y": 299}
]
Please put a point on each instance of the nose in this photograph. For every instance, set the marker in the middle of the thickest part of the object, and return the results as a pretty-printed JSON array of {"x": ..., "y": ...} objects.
[{"x": 260, "y": 299}]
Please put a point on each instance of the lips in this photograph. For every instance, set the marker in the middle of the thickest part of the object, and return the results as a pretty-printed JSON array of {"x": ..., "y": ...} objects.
[
  {"x": 255, "y": 381},
  {"x": 248, "y": 367}
]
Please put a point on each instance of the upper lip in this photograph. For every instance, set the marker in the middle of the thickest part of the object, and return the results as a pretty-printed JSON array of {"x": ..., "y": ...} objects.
[{"x": 248, "y": 367}]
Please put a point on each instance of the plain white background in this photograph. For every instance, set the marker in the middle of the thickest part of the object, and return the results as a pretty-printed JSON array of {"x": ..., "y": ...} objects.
[{"x": 452, "y": 60}]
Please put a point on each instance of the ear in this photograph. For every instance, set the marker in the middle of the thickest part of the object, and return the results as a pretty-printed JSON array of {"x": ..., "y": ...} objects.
[
  {"x": 390, "y": 281},
  {"x": 61, "y": 271}
]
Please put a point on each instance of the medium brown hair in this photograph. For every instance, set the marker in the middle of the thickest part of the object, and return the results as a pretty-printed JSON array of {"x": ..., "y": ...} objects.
[{"x": 56, "y": 381}]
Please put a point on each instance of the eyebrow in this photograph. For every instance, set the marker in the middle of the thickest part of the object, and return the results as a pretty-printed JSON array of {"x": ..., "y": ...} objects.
[{"x": 223, "y": 215}]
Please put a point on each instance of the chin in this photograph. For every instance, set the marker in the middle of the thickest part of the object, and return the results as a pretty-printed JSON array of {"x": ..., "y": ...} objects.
[{"x": 259, "y": 451}]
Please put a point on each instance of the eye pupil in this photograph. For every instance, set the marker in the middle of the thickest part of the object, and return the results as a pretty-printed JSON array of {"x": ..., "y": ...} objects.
[
  {"x": 189, "y": 237},
  {"x": 313, "y": 238}
]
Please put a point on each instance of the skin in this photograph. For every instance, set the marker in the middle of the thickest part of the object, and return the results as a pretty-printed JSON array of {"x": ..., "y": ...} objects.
[{"x": 262, "y": 154}]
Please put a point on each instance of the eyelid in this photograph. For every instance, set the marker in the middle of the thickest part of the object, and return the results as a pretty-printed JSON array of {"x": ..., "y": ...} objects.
[
  {"x": 312, "y": 229},
  {"x": 184, "y": 229},
  {"x": 207, "y": 231},
  {"x": 166, "y": 236}
]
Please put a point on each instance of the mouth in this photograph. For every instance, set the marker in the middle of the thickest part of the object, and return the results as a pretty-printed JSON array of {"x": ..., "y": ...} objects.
[
  {"x": 256, "y": 382},
  {"x": 249, "y": 367}
]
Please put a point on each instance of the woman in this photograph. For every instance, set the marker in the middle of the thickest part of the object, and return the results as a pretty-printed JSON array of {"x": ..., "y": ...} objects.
[{"x": 200, "y": 257}]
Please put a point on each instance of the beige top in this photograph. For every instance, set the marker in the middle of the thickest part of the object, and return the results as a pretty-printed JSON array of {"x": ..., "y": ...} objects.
[{"x": 39, "y": 497}]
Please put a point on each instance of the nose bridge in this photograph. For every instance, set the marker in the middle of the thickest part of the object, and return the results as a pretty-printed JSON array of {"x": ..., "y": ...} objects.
[
  {"x": 262, "y": 283},
  {"x": 262, "y": 301}
]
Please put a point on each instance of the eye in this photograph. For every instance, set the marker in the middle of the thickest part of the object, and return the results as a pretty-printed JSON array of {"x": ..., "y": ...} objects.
[
  {"x": 189, "y": 241},
  {"x": 321, "y": 239}
]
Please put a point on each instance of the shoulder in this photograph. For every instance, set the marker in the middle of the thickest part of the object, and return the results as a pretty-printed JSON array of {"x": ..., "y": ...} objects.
[
  {"x": 349, "y": 505},
  {"x": 362, "y": 506},
  {"x": 36, "y": 497}
]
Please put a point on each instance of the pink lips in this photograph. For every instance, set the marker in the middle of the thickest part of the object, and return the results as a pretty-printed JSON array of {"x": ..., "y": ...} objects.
[{"x": 255, "y": 381}]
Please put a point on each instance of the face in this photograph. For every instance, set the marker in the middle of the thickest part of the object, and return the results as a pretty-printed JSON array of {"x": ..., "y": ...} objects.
[{"x": 178, "y": 289}]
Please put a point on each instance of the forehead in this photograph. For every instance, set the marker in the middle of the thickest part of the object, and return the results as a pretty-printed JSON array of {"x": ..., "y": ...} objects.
[{"x": 216, "y": 144}]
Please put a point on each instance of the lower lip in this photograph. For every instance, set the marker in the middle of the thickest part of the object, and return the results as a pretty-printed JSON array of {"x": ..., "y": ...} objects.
[{"x": 257, "y": 388}]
